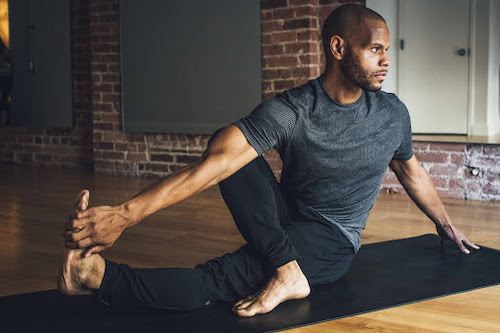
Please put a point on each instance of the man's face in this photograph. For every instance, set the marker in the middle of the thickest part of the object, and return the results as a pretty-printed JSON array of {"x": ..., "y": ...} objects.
[{"x": 365, "y": 60}]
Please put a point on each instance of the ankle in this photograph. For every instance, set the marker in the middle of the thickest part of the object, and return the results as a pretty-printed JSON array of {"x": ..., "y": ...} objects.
[{"x": 290, "y": 267}]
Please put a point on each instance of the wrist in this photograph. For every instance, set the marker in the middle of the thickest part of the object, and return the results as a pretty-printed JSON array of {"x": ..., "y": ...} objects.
[{"x": 131, "y": 213}]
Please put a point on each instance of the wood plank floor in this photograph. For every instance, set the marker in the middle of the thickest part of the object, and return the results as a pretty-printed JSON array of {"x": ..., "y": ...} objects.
[{"x": 35, "y": 201}]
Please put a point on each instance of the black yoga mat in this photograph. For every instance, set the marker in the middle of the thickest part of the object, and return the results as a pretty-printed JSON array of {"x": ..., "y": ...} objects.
[{"x": 382, "y": 275}]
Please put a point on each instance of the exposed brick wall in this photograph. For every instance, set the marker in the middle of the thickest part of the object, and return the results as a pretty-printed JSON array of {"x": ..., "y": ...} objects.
[
  {"x": 459, "y": 170},
  {"x": 59, "y": 147},
  {"x": 116, "y": 152}
]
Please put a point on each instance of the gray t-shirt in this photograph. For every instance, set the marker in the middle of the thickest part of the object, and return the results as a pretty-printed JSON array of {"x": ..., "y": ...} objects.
[{"x": 334, "y": 155}]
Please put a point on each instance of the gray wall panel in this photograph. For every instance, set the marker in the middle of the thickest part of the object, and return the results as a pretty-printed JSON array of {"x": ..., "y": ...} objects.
[{"x": 190, "y": 66}]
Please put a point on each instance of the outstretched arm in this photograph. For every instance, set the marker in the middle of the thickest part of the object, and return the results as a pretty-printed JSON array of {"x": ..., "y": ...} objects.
[
  {"x": 99, "y": 227},
  {"x": 420, "y": 187}
]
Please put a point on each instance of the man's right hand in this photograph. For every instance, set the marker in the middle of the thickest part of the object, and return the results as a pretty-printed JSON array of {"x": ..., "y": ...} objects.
[{"x": 96, "y": 228}]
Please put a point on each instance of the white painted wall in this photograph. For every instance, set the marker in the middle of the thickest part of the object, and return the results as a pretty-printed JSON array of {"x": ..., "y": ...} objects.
[
  {"x": 494, "y": 69},
  {"x": 479, "y": 68},
  {"x": 484, "y": 105},
  {"x": 389, "y": 11}
]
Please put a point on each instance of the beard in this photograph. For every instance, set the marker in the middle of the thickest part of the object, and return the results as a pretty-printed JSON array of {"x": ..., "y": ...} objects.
[{"x": 353, "y": 70}]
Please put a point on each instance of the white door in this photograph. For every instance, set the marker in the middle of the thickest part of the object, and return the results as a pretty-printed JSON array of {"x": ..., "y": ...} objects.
[{"x": 434, "y": 64}]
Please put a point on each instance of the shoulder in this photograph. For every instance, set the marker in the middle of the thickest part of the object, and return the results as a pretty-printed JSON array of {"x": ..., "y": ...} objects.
[
  {"x": 301, "y": 97},
  {"x": 384, "y": 100},
  {"x": 290, "y": 102}
]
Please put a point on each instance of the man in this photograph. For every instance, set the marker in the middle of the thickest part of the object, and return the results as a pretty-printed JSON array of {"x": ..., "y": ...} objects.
[{"x": 336, "y": 135}]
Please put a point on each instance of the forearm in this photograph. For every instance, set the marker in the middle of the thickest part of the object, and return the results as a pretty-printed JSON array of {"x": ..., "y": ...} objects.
[
  {"x": 420, "y": 187},
  {"x": 174, "y": 188}
]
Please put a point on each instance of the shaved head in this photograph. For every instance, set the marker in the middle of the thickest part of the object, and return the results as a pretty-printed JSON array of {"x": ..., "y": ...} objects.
[{"x": 346, "y": 21}]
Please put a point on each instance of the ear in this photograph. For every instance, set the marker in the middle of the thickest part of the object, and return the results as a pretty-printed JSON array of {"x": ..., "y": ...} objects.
[{"x": 337, "y": 47}]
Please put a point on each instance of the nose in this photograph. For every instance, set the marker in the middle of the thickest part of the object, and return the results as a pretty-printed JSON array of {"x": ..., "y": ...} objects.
[{"x": 384, "y": 61}]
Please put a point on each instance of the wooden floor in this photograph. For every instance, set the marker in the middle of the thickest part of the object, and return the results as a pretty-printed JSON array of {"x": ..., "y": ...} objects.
[{"x": 35, "y": 201}]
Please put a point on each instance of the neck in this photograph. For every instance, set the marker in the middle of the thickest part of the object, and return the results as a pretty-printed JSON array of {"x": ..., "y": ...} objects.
[{"x": 339, "y": 87}]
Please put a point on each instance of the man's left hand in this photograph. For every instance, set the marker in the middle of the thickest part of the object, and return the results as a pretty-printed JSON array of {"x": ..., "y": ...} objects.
[{"x": 452, "y": 233}]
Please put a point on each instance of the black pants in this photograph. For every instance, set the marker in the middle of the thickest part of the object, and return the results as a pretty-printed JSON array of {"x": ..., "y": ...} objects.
[{"x": 275, "y": 236}]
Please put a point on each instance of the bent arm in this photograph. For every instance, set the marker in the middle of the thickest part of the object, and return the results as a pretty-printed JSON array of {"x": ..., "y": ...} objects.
[
  {"x": 420, "y": 187},
  {"x": 227, "y": 153}
]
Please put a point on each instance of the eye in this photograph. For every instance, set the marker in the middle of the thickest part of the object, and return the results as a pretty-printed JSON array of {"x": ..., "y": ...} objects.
[{"x": 375, "y": 49}]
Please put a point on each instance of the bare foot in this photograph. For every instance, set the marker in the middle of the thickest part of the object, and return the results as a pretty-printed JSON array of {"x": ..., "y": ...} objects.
[
  {"x": 78, "y": 275},
  {"x": 287, "y": 283}
]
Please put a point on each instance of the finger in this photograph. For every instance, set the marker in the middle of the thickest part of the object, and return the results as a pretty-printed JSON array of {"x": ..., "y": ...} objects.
[
  {"x": 93, "y": 250},
  {"x": 462, "y": 247},
  {"x": 78, "y": 224},
  {"x": 77, "y": 236},
  {"x": 78, "y": 198},
  {"x": 78, "y": 214},
  {"x": 81, "y": 244},
  {"x": 83, "y": 203},
  {"x": 471, "y": 244}
]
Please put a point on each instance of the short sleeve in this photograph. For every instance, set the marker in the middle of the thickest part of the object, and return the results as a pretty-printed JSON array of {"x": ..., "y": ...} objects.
[
  {"x": 405, "y": 150},
  {"x": 269, "y": 125}
]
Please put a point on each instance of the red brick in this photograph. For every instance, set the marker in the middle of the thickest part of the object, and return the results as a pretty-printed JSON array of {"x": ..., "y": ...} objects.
[
  {"x": 125, "y": 146},
  {"x": 458, "y": 159},
  {"x": 136, "y": 157},
  {"x": 309, "y": 35},
  {"x": 432, "y": 157},
  {"x": 271, "y": 26},
  {"x": 187, "y": 159},
  {"x": 103, "y": 88},
  {"x": 157, "y": 167},
  {"x": 308, "y": 59},
  {"x": 267, "y": 85},
  {"x": 299, "y": 24},
  {"x": 100, "y": 164},
  {"x": 444, "y": 170},
  {"x": 302, "y": 48},
  {"x": 103, "y": 126},
  {"x": 273, "y": 73},
  {"x": 162, "y": 157},
  {"x": 266, "y": 15},
  {"x": 113, "y": 155},
  {"x": 283, "y": 37},
  {"x": 272, "y": 50},
  {"x": 439, "y": 182},
  {"x": 110, "y": 78},
  {"x": 445, "y": 147},
  {"x": 420, "y": 145},
  {"x": 103, "y": 145},
  {"x": 456, "y": 183},
  {"x": 284, "y": 61},
  {"x": 283, "y": 84},
  {"x": 266, "y": 39},
  {"x": 307, "y": 72}
]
